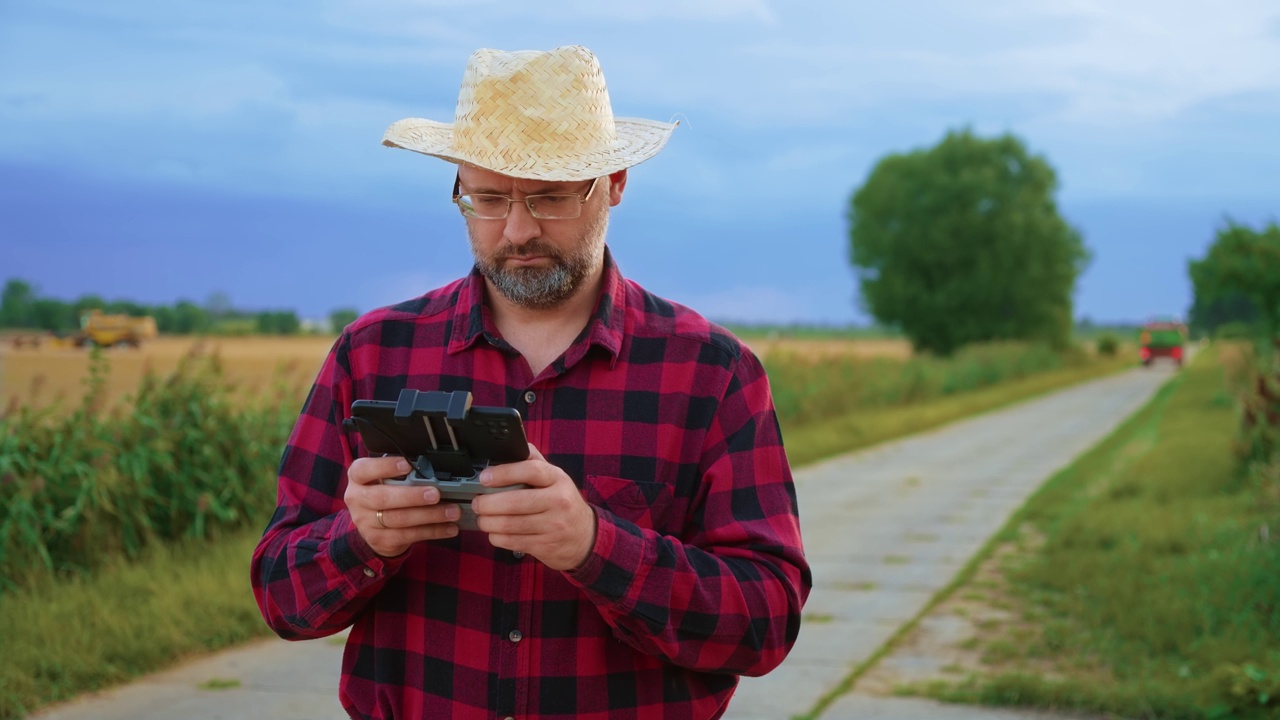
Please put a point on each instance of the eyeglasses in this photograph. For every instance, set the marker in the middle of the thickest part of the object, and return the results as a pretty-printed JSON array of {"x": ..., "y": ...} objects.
[{"x": 546, "y": 206}]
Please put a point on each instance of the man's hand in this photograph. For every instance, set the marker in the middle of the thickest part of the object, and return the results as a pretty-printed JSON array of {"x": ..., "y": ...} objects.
[
  {"x": 549, "y": 520},
  {"x": 408, "y": 514}
]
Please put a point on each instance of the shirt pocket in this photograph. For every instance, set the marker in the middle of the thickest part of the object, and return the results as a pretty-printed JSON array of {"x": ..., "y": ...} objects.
[{"x": 645, "y": 503}]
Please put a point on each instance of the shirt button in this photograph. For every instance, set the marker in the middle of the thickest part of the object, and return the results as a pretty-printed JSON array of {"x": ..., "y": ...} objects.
[
  {"x": 515, "y": 636},
  {"x": 518, "y": 554},
  {"x": 529, "y": 397},
  {"x": 370, "y": 572}
]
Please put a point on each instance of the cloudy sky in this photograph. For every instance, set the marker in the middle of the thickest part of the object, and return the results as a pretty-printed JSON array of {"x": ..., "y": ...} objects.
[{"x": 158, "y": 150}]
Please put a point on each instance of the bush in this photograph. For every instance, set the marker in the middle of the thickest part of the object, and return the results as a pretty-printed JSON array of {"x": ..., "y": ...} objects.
[
  {"x": 1259, "y": 399},
  {"x": 1108, "y": 345},
  {"x": 1236, "y": 330},
  {"x": 1244, "y": 690}
]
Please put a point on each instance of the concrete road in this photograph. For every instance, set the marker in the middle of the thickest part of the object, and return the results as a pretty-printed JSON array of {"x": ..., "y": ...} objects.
[
  {"x": 887, "y": 528},
  {"x": 884, "y": 529}
]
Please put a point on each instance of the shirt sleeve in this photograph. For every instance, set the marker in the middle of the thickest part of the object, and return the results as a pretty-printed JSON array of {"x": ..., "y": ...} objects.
[
  {"x": 729, "y": 598},
  {"x": 312, "y": 571}
]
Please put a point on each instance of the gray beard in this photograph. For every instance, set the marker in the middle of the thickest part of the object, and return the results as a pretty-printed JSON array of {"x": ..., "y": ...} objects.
[
  {"x": 542, "y": 288},
  {"x": 536, "y": 288}
]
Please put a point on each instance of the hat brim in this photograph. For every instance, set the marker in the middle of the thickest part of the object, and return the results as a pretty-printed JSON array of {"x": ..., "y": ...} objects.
[{"x": 637, "y": 141}]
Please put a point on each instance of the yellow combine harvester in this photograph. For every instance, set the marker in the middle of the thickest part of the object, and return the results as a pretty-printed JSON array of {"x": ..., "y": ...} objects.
[{"x": 97, "y": 329}]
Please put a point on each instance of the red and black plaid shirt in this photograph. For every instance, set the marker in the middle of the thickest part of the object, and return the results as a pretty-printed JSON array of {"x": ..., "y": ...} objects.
[{"x": 666, "y": 423}]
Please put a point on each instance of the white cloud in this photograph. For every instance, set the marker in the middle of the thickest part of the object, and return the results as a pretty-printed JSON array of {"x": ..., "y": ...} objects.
[
  {"x": 1144, "y": 60},
  {"x": 818, "y": 89},
  {"x": 1101, "y": 63}
]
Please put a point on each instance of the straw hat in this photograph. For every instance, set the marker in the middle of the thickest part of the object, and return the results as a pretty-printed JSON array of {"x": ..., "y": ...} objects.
[{"x": 537, "y": 115}]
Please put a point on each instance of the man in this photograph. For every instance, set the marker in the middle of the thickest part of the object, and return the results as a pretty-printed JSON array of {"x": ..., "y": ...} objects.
[{"x": 655, "y": 555}]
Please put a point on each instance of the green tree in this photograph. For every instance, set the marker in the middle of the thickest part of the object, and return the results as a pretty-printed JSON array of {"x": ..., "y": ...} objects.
[
  {"x": 189, "y": 318},
  {"x": 342, "y": 317},
  {"x": 963, "y": 242},
  {"x": 280, "y": 322},
  {"x": 85, "y": 303},
  {"x": 1242, "y": 262},
  {"x": 1234, "y": 308},
  {"x": 55, "y": 315},
  {"x": 16, "y": 301},
  {"x": 165, "y": 318},
  {"x": 288, "y": 322},
  {"x": 126, "y": 307},
  {"x": 264, "y": 323}
]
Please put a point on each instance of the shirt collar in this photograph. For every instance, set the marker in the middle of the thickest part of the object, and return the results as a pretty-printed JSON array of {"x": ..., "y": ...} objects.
[{"x": 473, "y": 319}]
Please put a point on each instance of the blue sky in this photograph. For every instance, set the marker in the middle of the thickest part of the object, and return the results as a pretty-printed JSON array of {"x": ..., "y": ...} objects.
[{"x": 163, "y": 150}]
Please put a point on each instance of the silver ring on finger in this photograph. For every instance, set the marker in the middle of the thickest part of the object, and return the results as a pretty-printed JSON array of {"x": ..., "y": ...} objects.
[{"x": 380, "y": 521}]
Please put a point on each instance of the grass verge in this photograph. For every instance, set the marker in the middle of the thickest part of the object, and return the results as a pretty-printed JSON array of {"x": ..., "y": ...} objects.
[
  {"x": 67, "y": 637},
  {"x": 863, "y": 427},
  {"x": 1139, "y": 581}
]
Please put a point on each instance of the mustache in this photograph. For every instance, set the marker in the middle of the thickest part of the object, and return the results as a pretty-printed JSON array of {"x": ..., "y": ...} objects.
[{"x": 528, "y": 249}]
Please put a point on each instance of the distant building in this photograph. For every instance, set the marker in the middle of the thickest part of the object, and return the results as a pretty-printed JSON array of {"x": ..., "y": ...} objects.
[{"x": 316, "y": 326}]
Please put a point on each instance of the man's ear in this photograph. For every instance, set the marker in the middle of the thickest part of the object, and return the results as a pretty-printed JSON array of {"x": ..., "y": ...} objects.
[{"x": 617, "y": 183}]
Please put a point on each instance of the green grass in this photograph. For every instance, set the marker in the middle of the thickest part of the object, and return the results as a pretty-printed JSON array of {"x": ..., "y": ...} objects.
[
  {"x": 1153, "y": 594},
  {"x": 120, "y": 619},
  {"x": 66, "y": 637}
]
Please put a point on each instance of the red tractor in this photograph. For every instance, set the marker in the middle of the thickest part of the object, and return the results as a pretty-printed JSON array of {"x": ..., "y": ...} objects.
[{"x": 1162, "y": 339}]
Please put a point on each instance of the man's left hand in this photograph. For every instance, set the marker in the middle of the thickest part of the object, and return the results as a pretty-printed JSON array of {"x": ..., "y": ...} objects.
[{"x": 549, "y": 520}]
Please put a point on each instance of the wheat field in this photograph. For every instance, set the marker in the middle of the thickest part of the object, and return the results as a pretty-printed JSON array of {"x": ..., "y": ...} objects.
[
  {"x": 895, "y": 348},
  {"x": 50, "y": 375}
]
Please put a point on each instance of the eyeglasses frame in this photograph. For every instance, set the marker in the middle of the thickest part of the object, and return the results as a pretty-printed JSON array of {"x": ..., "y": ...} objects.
[{"x": 582, "y": 200}]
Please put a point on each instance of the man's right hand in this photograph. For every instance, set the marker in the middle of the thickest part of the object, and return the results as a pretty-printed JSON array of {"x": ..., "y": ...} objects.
[{"x": 408, "y": 514}]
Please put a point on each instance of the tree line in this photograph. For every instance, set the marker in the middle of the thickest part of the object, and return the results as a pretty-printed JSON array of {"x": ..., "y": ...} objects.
[
  {"x": 962, "y": 242},
  {"x": 1237, "y": 282},
  {"x": 22, "y": 307}
]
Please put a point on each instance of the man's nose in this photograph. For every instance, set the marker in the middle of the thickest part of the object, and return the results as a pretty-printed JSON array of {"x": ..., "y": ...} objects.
[{"x": 521, "y": 225}]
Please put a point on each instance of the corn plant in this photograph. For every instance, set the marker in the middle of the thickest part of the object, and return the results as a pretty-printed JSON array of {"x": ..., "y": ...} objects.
[{"x": 185, "y": 458}]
